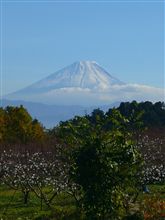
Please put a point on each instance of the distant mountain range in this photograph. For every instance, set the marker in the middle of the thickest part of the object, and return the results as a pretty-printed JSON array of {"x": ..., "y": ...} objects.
[
  {"x": 76, "y": 89},
  {"x": 51, "y": 115}
]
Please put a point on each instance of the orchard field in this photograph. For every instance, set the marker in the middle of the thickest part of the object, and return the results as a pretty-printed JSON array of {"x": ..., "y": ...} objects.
[{"x": 100, "y": 166}]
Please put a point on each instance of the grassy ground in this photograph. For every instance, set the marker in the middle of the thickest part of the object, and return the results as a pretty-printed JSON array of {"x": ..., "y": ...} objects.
[{"x": 12, "y": 207}]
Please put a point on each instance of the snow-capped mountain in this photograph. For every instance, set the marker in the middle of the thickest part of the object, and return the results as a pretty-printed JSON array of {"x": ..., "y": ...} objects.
[
  {"x": 83, "y": 74},
  {"x": 85, "y": 83}
]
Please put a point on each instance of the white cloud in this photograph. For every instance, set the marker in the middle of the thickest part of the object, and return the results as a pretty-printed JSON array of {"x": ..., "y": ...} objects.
[{"x": 88, "y": 97}]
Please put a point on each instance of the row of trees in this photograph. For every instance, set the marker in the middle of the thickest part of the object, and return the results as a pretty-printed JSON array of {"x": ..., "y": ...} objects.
[
  {"x": 32, "y": 172},
  {"x": 17, "y": 125}
]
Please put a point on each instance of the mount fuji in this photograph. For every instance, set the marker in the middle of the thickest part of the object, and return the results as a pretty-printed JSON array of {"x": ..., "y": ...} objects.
[
  {"x": 76, "y": 90},
  {"x": 85, "y": 83}
]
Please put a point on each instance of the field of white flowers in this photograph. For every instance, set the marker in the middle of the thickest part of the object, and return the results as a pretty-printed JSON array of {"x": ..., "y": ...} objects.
[{"x": 46, "y": 174}]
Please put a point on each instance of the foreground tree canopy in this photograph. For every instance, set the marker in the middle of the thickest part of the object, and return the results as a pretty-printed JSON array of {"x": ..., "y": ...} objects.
[
  {"x": 106, "y": 165},
  {"x": 106, "y": 161}
]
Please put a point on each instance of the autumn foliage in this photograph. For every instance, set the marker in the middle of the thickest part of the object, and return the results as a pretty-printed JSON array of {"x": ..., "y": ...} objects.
[{"x": 17, "y": 126}]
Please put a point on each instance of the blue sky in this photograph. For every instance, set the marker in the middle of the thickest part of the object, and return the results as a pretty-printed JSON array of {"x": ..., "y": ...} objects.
[{"x": 39, "y": 38}]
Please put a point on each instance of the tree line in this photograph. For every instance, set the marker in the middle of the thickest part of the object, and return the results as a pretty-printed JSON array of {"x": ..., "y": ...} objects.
[{"x": 17, "y": 125}]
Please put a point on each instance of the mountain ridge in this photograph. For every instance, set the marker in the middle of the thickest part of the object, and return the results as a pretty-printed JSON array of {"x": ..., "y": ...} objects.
[{"x": 51, "y": 115}]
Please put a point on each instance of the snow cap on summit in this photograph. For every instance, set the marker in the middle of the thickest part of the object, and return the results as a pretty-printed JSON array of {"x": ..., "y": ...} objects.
[
  {"x": 87, "y": 62},
  {"x": 80, "y": 74}
]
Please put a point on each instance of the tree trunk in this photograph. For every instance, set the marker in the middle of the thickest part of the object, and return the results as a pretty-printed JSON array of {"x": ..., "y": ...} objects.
[{"x": 26, "y": 197}]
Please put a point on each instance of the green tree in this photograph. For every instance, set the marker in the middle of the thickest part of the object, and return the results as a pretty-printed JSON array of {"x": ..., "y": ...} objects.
[
  {"x": 153, "y": 114},
  {"x": 106, "y": 166}
]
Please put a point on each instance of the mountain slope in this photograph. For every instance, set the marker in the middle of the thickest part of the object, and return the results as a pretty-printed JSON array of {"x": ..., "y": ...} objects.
[
  {"x": 83, "y": 74},
  {"x": 85, "y": 83}
]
